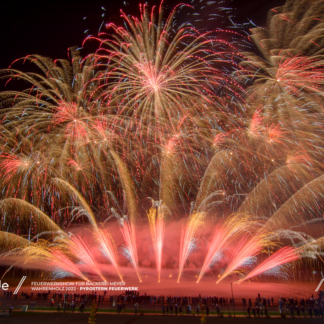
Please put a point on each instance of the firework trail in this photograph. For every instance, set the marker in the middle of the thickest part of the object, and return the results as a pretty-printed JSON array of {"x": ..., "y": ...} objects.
[
  {"x": 289, "y": 213},
  {"x": 157, "y": 232},
  {"x": 222, "y": 237},
  {"x": 86, "y": 208},
  {"x": 108, "y": 248},
  {"x": 244, "y": 253},
  {"x": 262, "y": 199},
  {"x": 167, "y": 174},
  {"x": 55, "y": 257},
  {"x": 77, "y": 247},
  {"x": 80, "y": 249},
  {"x": 127, "y": 186},
  {"x": 188, "y": 239},
  {"x": 42, "y": 220},
  {"x": 127, "y": 229},
  {"x": 282, "y": 256},
  {"x": 63, "y": 266},
  {"x": 10, "y": 242},
  {"x": 156, "y": 216},
  {"x": 103, "y": 237}
]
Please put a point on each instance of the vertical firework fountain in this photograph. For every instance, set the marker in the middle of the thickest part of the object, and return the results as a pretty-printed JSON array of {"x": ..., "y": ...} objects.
[{"x": 155, "y": 217}]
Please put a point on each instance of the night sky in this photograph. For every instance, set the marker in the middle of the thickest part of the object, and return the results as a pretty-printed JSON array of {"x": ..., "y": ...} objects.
[{"x": 49, "y": 27}]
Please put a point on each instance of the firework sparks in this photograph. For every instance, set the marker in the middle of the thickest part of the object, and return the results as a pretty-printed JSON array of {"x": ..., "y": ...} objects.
[
  {"x": 63, "y": 266},
  {"x": 108, "y": 248},
  {"x": 188, "y": 236},
  {"x": 245, "y": 251},
  {"x": 282, "y": 256},
  {"x": 155, "y": 217},
  {"x": 127, "y": 228},
  {"x": 149, "y": 65},
  {"x": 221, "y": 239},
  {"x": 80, "y": 248}
]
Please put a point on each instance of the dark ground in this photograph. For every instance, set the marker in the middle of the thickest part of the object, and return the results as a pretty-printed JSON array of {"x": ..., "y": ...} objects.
[{"x": 51, "y": 318}]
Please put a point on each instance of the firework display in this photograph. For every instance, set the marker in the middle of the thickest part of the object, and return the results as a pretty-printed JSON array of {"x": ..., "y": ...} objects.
[{"x": 206, "y": 146}]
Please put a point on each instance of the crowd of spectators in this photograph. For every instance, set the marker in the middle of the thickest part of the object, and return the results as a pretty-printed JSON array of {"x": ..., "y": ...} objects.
[{"x": 174, "y": 305}]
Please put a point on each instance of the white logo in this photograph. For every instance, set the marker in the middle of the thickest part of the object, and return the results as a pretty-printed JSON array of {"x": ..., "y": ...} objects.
[
  {"x": 4, "y": 286},
  {"x": 20, "y": 284},
  {"x": 320, "y": 284}
]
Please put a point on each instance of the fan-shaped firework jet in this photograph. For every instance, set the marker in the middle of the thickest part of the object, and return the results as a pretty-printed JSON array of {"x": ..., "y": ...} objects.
[
  {"x": 60, "y": 264},
  {"x": 245, "y": 252},
  {"x": 80, "y": 248},
  {"x": 221, "y": 239},
  {"x": 128, "y": 231},
  {"x": 284, "y": 255},
  {"x": 188, "y": 239},
  {"x": 106, "y": 243},
  {"x": 127, "y": 228}
]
